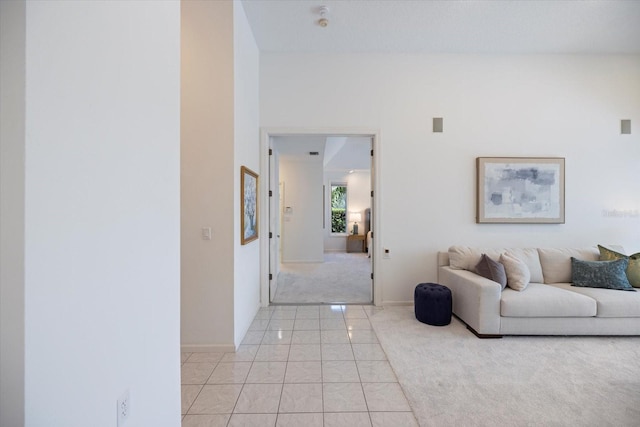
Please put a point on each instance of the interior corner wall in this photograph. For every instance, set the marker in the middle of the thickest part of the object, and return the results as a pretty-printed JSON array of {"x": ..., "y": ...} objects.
[
  {"x": 207, "y": 176},
  {"x": 302, "y": 232},
  {"x": 246, "y": 300},
  {"x": 493, "y": 105},
  {"x": 12, "y": 174},
  {"x": 358, "y": 199},
  {"x": 358, "y": 196},
  {"x": 102, "y": 212}
]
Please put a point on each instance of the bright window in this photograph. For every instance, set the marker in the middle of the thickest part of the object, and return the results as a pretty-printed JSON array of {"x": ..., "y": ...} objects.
[{"x": 338, "y": 208}]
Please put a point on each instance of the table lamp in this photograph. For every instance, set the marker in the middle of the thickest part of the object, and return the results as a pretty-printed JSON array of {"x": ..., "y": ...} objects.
[{"x": 355, "y": 217}]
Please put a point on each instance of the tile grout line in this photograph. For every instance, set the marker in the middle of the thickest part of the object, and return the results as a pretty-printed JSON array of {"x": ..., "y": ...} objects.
[
  {"x": 345, "y": 319},
  {"x": 244, "y": 382},
  {"x": 286, "y": 367},
  {"x": 321, "y": 369},
  {"x": 202, "y": 385},
  {"x": 364, "y": 396}
]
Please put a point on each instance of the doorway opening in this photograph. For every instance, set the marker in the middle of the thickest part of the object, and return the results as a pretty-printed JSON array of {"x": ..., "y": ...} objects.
[{"x": 320, "y": 218}]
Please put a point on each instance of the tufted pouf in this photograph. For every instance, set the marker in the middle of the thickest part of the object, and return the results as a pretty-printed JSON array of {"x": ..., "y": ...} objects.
[{"x": 432, "y": 303}]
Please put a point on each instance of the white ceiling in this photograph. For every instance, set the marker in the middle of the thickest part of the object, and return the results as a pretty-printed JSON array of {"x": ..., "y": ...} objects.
[
  {"x": 447, "y": 26},
  {"x": 337, "y": 153}
]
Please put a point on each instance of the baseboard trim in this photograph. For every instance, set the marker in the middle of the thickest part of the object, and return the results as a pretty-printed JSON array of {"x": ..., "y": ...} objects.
[
  {"x": 208, "y": 348},
  {"x": 396, "y": 303}
]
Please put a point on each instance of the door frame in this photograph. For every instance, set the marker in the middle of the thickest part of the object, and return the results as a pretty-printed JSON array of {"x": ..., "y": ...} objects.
[{"x": 265, "y": 139}]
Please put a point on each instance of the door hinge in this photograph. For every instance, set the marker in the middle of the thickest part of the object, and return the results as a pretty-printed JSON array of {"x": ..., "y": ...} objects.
[
  {"x": 270, "y": 235},
  {"x": 270, "y": 276},
  {"x": 372, "y": 235},
  {"x": 371, "y": 276},
  {"x": 371, "y": 153},
  {"x": 371, "y": 193},
  {"x": 270, "y": 193},
  {"x": 270, "y": 152}
]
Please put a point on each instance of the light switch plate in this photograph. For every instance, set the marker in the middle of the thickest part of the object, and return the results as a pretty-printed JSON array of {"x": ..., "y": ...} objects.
[{"x": 206, "y": 233}]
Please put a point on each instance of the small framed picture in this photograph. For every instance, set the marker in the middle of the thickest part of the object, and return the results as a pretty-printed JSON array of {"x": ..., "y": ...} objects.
[{"x": 248, "y": 205}]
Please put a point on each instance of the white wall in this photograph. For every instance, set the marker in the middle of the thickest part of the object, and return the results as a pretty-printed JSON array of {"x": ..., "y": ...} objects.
[
  {"x": 12, "y": 173},
  {"x": 102, "y": 212},
  {"x": 247, "y": 149},
  {"x": 302, "y": 234},
  {"x": 558, "y": 105},
  {"x": 358, "y": 199},
  {"x": 208, "y": 175},
  {"x": 219, "y": 133}
]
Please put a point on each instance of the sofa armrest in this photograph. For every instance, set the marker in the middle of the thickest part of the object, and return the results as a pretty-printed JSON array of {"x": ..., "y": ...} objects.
[{"x": 476, "y": 300}]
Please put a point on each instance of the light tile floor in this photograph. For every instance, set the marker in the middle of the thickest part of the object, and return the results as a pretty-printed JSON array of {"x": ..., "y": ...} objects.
[{"x": 302, "y": 366}]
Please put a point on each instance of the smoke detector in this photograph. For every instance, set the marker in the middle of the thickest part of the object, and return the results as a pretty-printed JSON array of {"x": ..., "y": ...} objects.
[{"x": 323, "y": 21}]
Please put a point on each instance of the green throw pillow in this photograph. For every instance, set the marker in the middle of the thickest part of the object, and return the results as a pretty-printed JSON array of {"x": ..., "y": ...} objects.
[
  {"x": 633, "y": 270},
  {"x": 600, "y": 274}
]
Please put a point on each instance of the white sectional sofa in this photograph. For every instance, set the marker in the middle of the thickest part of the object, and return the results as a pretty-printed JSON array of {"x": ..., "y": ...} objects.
[{"x": 549, "y": 305}]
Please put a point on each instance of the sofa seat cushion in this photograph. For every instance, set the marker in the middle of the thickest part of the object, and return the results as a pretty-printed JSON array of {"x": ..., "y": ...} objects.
[
  {"x": 540, "y": 300},
  {"x": 611, "y": 302}
]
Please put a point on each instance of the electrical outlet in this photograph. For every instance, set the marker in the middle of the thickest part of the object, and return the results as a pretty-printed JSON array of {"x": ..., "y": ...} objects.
[{"x": 124, "y": 408}]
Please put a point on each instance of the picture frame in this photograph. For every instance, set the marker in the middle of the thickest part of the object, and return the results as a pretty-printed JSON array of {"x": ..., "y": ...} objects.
[
  {"x": 520, "y": 190},
  {"x": 248, "y": 205}
]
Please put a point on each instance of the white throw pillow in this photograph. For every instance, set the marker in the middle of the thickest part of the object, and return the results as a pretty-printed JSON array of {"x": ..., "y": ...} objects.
[{"x": 518, "y": 274}]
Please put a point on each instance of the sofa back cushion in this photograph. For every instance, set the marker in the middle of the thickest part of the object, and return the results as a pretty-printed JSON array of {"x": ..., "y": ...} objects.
[
  {"x": 466, "y": 258},
  {"x": 556, "y": 262}
]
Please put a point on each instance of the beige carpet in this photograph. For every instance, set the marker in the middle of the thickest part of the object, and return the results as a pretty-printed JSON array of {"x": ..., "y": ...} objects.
[
  {"x": 341, "y": 278},
  {"x": 452, "y": 378}
]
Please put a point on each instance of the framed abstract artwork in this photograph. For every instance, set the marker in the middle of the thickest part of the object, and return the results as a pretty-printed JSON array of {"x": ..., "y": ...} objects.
[
  {"x": 248, "y": 205},
  {"x": 522, "y": 190}
]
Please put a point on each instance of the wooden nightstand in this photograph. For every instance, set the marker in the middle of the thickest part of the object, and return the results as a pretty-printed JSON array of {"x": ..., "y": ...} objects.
[{"x": 355, "y": 238}]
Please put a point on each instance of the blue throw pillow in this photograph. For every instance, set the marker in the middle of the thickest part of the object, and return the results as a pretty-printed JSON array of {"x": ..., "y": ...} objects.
[{"x": 600, "y": 274}]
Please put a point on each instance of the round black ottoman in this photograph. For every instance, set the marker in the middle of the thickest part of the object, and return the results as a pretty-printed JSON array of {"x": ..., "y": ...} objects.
[{"x": 432, "y": 303}]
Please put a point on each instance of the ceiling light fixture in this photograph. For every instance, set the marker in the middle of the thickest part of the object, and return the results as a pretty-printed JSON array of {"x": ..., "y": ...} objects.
[{"x": 323, "y": 21}]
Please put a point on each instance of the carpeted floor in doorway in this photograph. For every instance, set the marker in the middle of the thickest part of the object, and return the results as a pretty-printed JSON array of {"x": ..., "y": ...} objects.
[
  {"x": 342, "y": 277},
  {"x": 452, "y": 378}
]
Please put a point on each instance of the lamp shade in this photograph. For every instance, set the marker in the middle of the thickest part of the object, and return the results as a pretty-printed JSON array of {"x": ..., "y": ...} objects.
[{"x": 355, "y": 216}]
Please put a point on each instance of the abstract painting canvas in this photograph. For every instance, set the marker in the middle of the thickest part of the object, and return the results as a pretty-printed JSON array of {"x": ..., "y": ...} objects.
[
  {"x": 521, "y": 190},
  {"x": 248, "y": 205}
]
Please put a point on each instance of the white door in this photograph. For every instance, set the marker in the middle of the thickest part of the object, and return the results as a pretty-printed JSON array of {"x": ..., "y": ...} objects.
[{"x": 275, "y": 197}]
